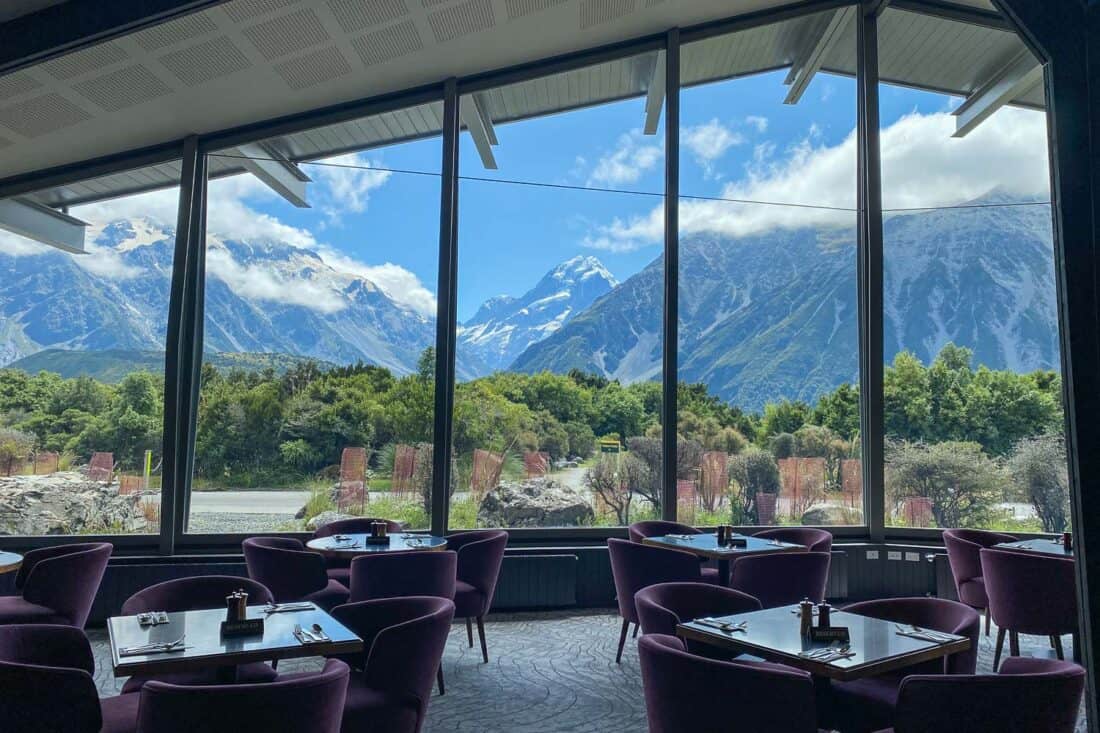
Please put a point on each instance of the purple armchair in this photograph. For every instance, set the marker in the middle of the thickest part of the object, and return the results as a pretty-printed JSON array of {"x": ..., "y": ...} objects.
[
  {"x": 963, "y": 554},
  {"x": 1030, "y": 594},
  {"x": 291, "y": 572},
  {"x": 1028, "y": 696},
  {"x": 782, "y": 579},
  {"x": 659, "y": 527},
  {"x": 405, "y": 638},
  {"x": 636, "y": 566},
  {"x": 868, "y": 704},
  {"x": 57, "y": 585},
  {"x": 480, "y": 555},
  {"x": 685, "y": 693},
  {"x": 46, "y": 684},
  {"x": 309, "y": 702},
  {"x": 813, "y": 539},
  {"x": 661, "y": 607},
  {"x": 193, "y": 594},
  {"x": 338, "y": 568}
]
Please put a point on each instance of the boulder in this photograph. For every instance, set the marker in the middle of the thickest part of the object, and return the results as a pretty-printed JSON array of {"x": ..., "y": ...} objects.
[
  {"x": 536, "y": 502},
  {"x": 66, "y": 502},
  {"x": 827, "y": 514},
  {"x": 326, "y": 517}
]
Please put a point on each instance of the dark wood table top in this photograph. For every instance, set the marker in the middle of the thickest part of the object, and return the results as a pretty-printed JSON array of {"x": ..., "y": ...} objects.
[
  {"x": 10, "y": 561},
  {"x": 205, "y": 648},
  {"x": 774, "y": 634},
  {"x": 706, "y": 545},
  {"x": 1042, "y": 546},
  {"x": 354, "y": 545}
]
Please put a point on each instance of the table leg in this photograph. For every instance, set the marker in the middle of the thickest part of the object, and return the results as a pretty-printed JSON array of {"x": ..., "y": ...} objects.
[{"x": 723, "y": 572}]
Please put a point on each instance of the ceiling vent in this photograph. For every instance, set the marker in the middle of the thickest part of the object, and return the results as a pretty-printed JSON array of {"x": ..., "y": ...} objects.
[
  {"x": 653, "y": 3},
  {"x": 123, "y": 88},
  {"x": 18, "y": 83},
  {"x": 81, "y": 62},
  {"x": 520, "y": 8},
  {"x": 393, "y": 42},
  {"x": 595, "y": 12},
  {"x": 42, "y": 115},
  {"x": 213, "y": 59},
  {"x": 287, "y": 34},
  {"x": 355, "y": 15},
  {"x": 461, "y": 19},
  {"x": 241, "y": 10},
  {"x": 314, "y": 68},
  {"x": 175, "y": 31}
]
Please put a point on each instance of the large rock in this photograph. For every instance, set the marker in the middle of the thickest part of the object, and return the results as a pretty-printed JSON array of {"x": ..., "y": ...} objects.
[
  {"x": 536, "y": 502},
  {"x": 66, "y": 503},
  {"x": 828, "y": 514},
  {"x": 326, "y": 517}
]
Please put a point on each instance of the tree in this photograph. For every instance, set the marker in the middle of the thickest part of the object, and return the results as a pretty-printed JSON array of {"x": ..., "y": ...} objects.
[
  {"x": 613, "y": 480},
  {"x": 783, "y": 417},
  {"x": 1038, "y": 468},
  {"x": 15, "y": 449},
  {"x": 754, "y": 471},
  {"x": 647, "y": 450},
  {"x": 839, "y": 411},
  {"x": 582, "y": 441},
  {"x": 962, "y": 482},
  {"x": 618, "y": 411},
  {"x": 782, "y": 445}
]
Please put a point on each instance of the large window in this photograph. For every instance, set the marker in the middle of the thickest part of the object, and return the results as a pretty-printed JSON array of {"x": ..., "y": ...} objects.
[
  {"x": 318, "y": 377},
  {"x": 974, "y": 430},
  {"x": 83, "y": 314},
  {"x": 560, "y": 297},
  {"x": 768, "y": 402}
]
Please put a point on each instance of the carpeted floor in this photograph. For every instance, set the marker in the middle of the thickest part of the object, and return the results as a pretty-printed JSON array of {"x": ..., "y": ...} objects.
[{"x": 547, "y": 673}]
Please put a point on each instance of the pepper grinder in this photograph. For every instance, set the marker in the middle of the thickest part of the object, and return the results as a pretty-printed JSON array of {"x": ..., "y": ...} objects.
[
  {"x": 1067, "y": 541},
  {"x": 823, "y": 615},
  {"x": 242, "y": 604},
  {"x": 232, "y": 608},
  {"x": 806, "y": 614}
]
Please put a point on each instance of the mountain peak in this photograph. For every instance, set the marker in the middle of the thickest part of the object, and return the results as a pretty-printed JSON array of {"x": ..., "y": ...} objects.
[{"x": 580, "y": 268}]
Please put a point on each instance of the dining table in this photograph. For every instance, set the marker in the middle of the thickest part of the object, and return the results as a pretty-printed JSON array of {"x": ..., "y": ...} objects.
[
  {"x": 10, "y": 562},
  {"x": 1039, "y": 545},
  {"x": 875, "y": 646},
  {"x": 353, "y": 545},
  {"x": 706, "y": 545},
  {"x": 201, "y": 644}
]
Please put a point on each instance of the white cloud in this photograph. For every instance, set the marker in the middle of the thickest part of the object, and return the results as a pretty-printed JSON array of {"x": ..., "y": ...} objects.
[
  {"x": 708, "y": 142},
  {"x": 346, "y": 183},
  {"x": 18, "y": 246},
  {"x": 757, "y": 121},
  {"x": 263, "y": 282},
  {"x": 923, "y": 166},
  {"x": 631, "y": 157},
  {"x": 401, "y": 285}
]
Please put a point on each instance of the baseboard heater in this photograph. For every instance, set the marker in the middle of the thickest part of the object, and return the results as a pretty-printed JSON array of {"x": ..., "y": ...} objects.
[{"x": 536, "y": 581}]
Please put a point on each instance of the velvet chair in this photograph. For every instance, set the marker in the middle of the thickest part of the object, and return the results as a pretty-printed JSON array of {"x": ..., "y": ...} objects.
[
  {"x": 291, "y": 572},
  {"x": 664, "y": 605},
  {"x": 636, "y": 566},
  {"x": 480, "y": 555},
  {"x": 394, "y": 575},
  {"x": 1028, "y": 696},
  {"x": 1030, "y": 594},
  {"x": 813, "y": 539},
  {"x": 963, "y": 554},
  {"x": 659, "y": 527},
  {"x": 195, "y": 594},
  {"x": 339, "y": 568},
  {"x": 310, "y": 702},
  {"x": 57, "y": 585},
  {"x": 685, "y": 693},
  {"x": 404, "y": 640},
  {"x": 868, "y": 704},
  {"x": 783, "y": 578},
  {"x": 47, "y": 684}
]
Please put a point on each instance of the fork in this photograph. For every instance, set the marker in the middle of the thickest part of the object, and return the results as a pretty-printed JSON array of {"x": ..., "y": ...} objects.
[{"x": 154, "y": 646}]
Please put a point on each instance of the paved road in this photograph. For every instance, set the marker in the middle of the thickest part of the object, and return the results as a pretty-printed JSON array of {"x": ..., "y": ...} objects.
[{"x": 248, "y": 502}]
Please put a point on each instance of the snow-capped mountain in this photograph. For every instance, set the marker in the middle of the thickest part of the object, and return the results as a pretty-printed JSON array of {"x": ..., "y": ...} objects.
[{"x": 504, "y": 326}]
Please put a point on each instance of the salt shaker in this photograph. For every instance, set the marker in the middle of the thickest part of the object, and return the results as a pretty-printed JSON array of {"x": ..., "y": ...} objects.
[
  {"x": 232, "y": 609},
  {"x": 1067, "y": 541},
  {"x": 722, "y": 536},
  {"x": 242, "y": 604},
  {"x": 806, "y": 613},
  {"x": 823, "y": 615}
]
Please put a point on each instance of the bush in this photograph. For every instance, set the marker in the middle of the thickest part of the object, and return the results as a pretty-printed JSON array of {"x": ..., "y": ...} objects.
[
  {"x": 962, "y": 482},
  {"x": 1037, "y": 467},
  {"x": 15, "y": 449},
  {"x": 754, "y": 471}
]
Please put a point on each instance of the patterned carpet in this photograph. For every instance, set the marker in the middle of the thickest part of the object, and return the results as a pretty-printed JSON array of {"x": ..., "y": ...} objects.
[{"x": 547, "y": 673}]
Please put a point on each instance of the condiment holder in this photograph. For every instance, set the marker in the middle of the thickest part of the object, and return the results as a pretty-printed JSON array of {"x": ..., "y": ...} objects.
[
  {"x": 236, "y": 621},
  {"x": 378, "y": 534}
]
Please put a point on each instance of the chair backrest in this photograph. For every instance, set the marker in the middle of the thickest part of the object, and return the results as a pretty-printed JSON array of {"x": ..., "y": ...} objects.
[
  {"x": 963, "y": 546},
  {"x": 284, "y": 566},
  {"x": 46, "y": 683},
  {"x": 782, "y": 578},
  {"x": 685, "y": 692},
  {"x": 357, "y": 525},
  {"x": 480, "y": 555},
  {"x": 404, "y": 639},
  {"x": 812, "y": 538},
  {"x": 391, "y": 575},
  {"x": 938, "y": 614},
  {"x": 1030, "y": 593},
  {"x": 65, "y": 578},
  {"x": 1028, "y": 696},
  {"x": 634, "y": 566},
  {"x": 194, "y": 594},
  {"x": 299, "y": 703},
  {"x": 661, "y": 607},
  {"x": 658, "y": 528}
]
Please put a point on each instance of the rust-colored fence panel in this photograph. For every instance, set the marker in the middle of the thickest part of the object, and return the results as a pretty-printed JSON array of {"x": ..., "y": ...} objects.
[
  {"x": 714, "y": 479},
  {"x": 486, "y": 472},
  {"x": 851, "y": 482},
  {"x": 101, "y": 467},
  {"x": 46, "y": 462},
  {"x": 686, "y": 499},
  {"x": 352, "y": 490},
  {"x": 917, "y": 511},
  {"x": 130, "y": 484},
  {"x": 536, "y": 463},
  {"x": 802, "y": 484},
  {"x": 404, "y": 468}
]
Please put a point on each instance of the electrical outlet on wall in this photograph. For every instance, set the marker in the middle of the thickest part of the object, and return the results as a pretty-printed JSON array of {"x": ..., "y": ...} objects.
[
  {"x": 912, "y": 556},
  {"x": 872, "y": 554},
  {"x": 893, "y": 555}
]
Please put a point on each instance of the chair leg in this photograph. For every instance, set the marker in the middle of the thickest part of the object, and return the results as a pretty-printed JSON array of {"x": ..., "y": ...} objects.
[
  {"x": 1057, "y": 642},
  {"x": 439, "y": 679},
  {"x": 635, "y": 634},
  {"x": 998, "y": 648},
  {"x": 481, "y": 635},
  {"x": 470, "y": 631},
  {"x": 622, "y": 641},
  {"x": 1014, "y": 643},
  {"x": 987, "y": 620}
]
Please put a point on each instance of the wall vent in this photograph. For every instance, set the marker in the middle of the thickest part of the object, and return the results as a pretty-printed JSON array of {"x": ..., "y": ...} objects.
[
  {"x": 355, "y": 15},
  {"x": 653, "y": 3},
  {"x": 287, "y": 34},
  {"x": 213, "y": 59},
  {"x": 18, "y": 83},
  {"x": 520, "y": 8},
  {"x": 461, "y": 20},
  {"x": 175, "y": 31},
  {"x": 317, "y": 67},
  {"x": 393, "y": 42},
  {"x": 123, "y": 88},
  {"x": 595, "y": 12},
  {"x": 242, "y": 10},
  {"x": 42, "y": 115},
  {"x": 81, "y": 62}
]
